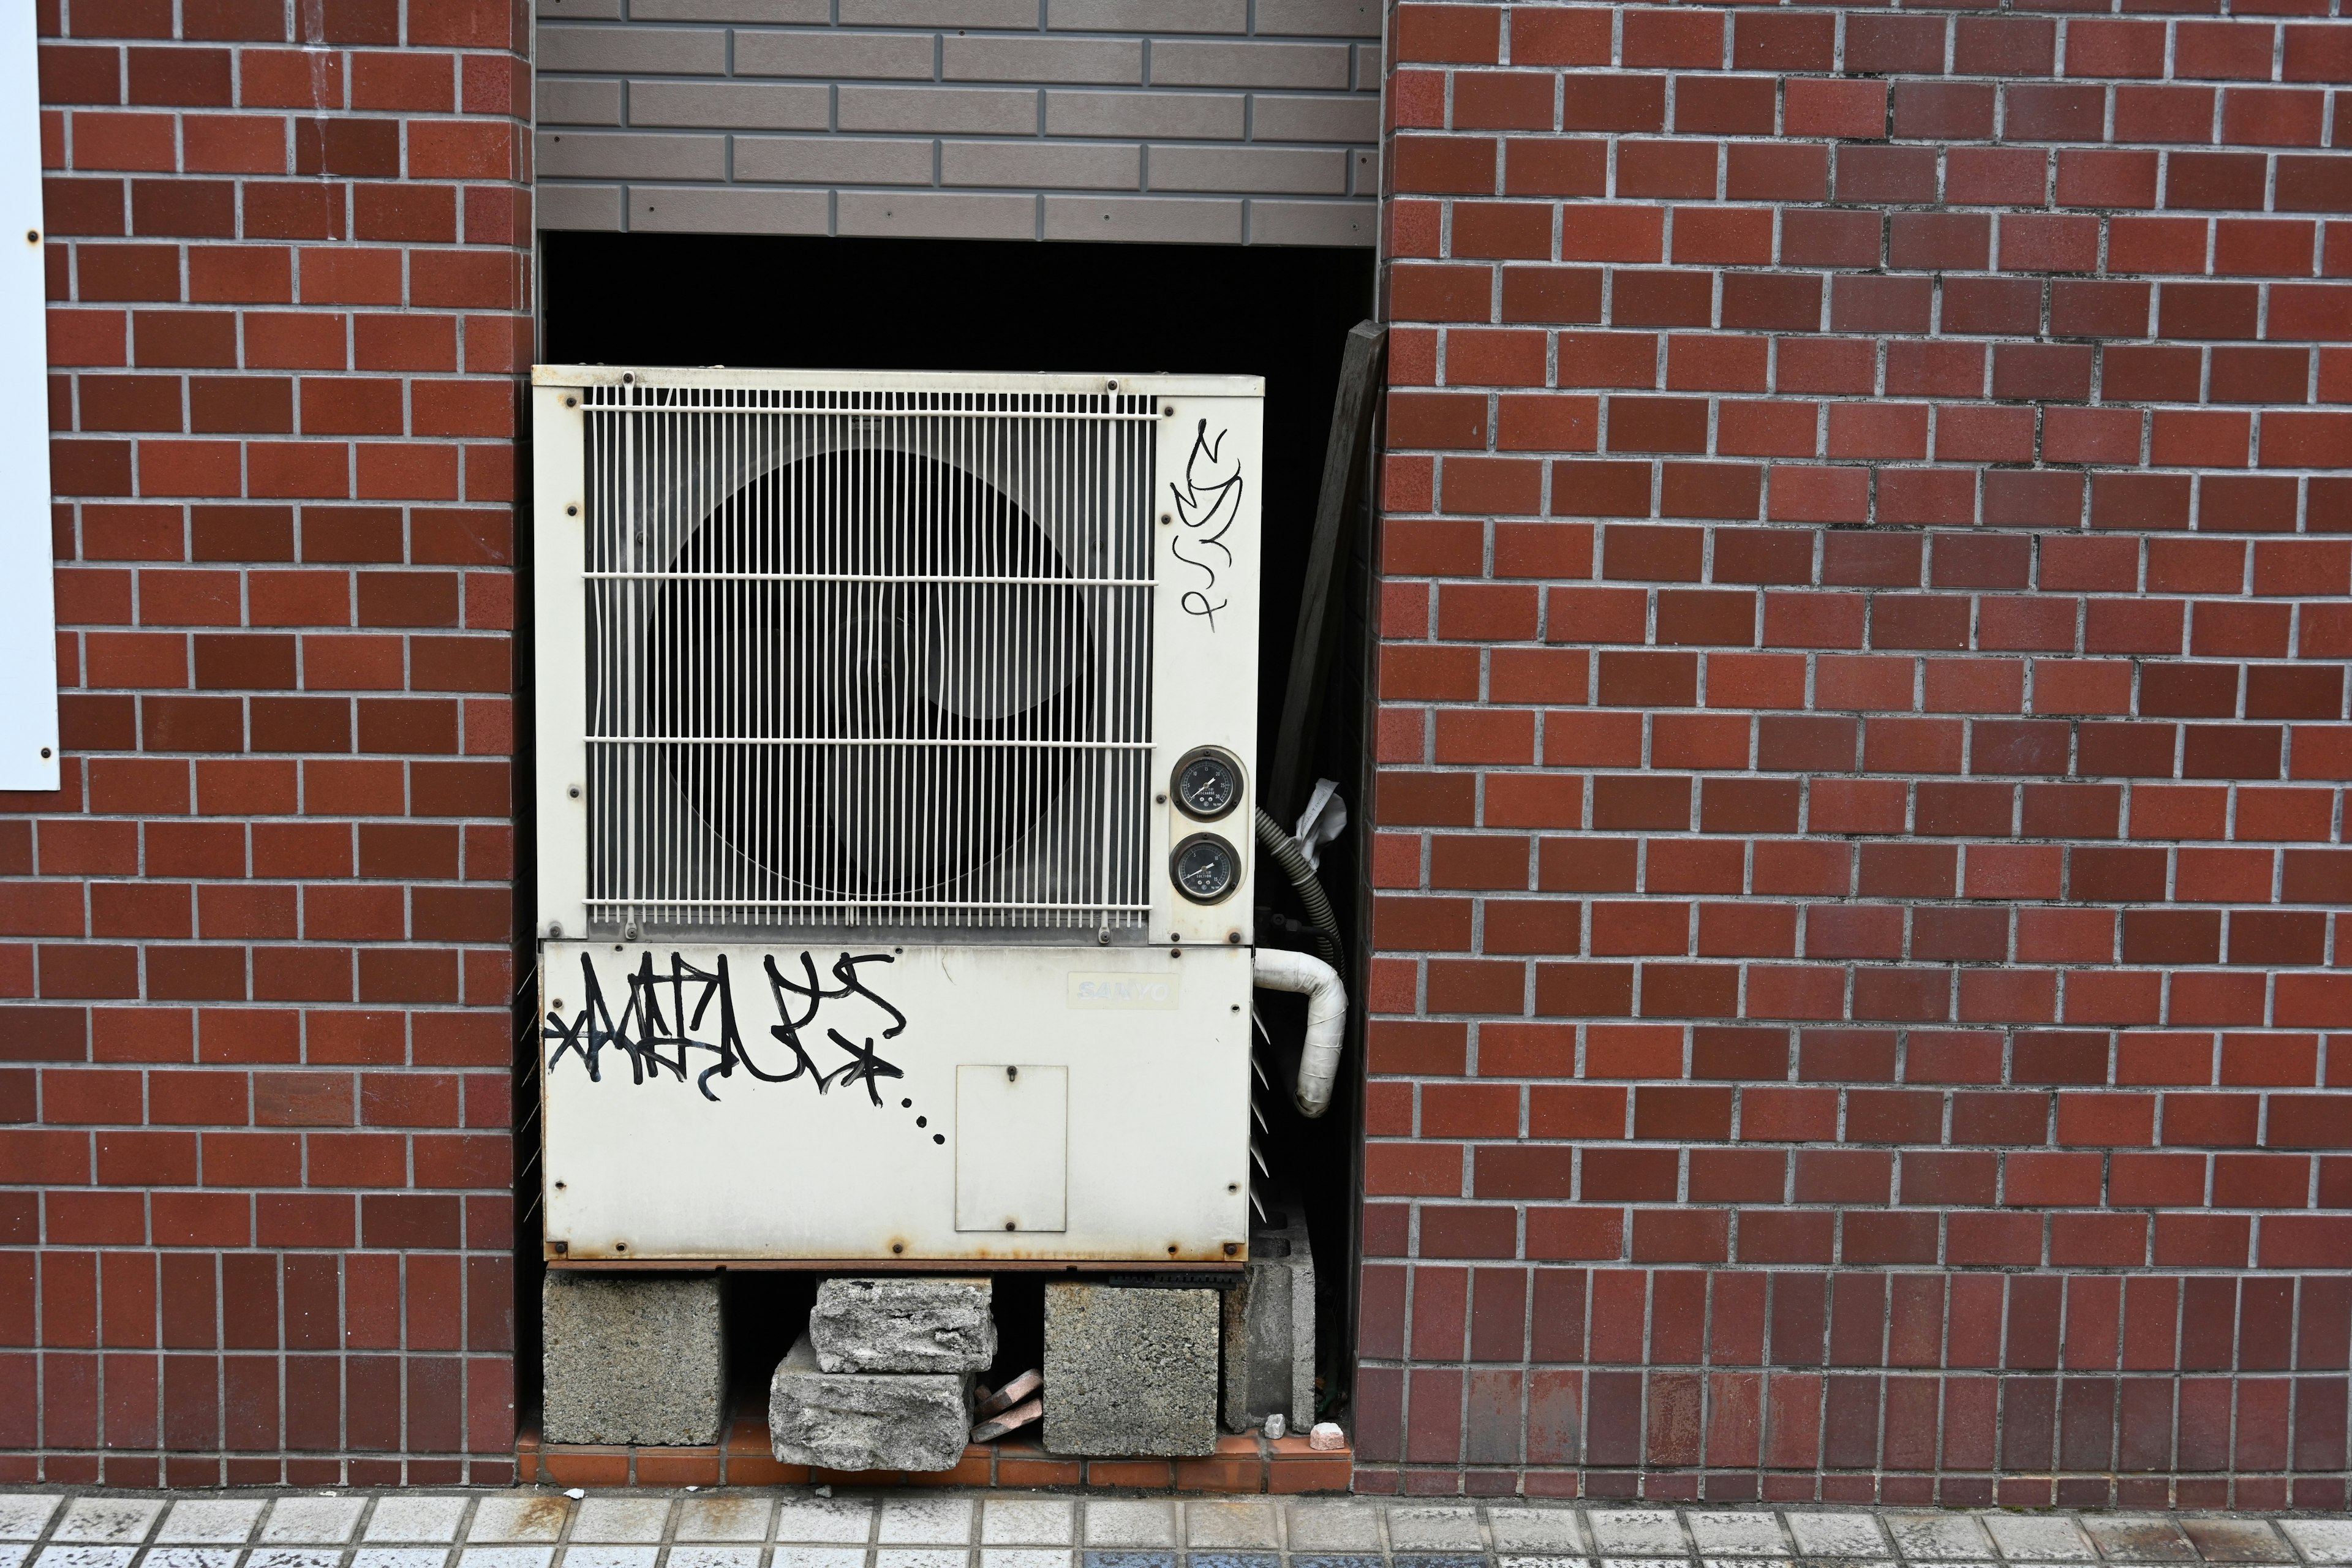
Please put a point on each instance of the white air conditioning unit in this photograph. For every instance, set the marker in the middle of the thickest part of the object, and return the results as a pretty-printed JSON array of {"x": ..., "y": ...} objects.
[{"x": 895, "y": 781}]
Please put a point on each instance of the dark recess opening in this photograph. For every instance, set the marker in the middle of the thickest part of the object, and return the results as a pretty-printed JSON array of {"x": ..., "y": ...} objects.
[{"x": 857, "y": 304}]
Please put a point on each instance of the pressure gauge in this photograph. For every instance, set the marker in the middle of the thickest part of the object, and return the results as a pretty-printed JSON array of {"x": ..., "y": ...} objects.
[
  {"x": 1208, "y": 784},
  {"x": 1205, "y": 868}
]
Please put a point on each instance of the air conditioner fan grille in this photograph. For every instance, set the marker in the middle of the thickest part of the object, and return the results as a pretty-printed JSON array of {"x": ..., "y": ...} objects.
[{"x": 867, "y": 658}]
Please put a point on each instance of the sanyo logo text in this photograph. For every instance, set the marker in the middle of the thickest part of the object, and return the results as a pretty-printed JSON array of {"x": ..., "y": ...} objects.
[{"x": 1157, "y": 990}]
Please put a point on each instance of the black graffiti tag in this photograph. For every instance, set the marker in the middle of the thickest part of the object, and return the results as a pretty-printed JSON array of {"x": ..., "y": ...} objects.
[
  {"x": 670, "y": 1023},
  {"x": 1207, "y": 502}
]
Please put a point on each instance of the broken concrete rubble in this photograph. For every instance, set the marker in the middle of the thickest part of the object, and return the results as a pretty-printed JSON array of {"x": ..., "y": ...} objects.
[
  {"x": 909, "y": 1323},
  {"x": 866, "y": 1421}
]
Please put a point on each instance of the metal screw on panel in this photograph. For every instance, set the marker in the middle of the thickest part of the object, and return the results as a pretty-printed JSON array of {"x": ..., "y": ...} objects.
[
  {"x": 1160, "y": 800},
  {"x": 32, "y": 236},
  {"x": 562, "y": 1246},
  {"x": 572, "y": 511},
  {"x": 898, "y": 1247},
  {"x": 558, "y": 1187},
  {"x": 1102, "y": 938},
  {"x": 571, "y": 403},
  {"x": 1009, "y": 1226},
  {"x": 45, "y": 753},
  {"x": 555, "y": 928},
  {"x": 620, "y": 1247},
  {"x": 573, "y": 792},
  {"x": 1231, "y": 1248},
  {"x": 628, "y": 934},
  {"x": 1011, "y": 1074},
  {"x": 1234, "y": 937}
]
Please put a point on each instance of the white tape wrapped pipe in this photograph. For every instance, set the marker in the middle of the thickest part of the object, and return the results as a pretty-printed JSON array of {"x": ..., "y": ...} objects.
[{"x": 1326, "y": 1020}]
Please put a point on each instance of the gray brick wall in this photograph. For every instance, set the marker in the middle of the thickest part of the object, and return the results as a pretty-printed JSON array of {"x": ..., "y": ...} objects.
[{"x": 1208, "y": 122}]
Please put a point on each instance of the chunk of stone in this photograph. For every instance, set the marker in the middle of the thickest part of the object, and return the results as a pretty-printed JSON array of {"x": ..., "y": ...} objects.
[
  {"x": 631, "y": 1358},
  {"x": 1130, "y": 1371},
  {"x": 1269, "y": 1326},
  {"x": 866, "y": 1420},
  {"x": 908, "y": 1323}
]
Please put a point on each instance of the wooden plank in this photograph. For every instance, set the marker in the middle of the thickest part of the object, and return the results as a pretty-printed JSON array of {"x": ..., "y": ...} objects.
[{"x": 1346, "y": 468}]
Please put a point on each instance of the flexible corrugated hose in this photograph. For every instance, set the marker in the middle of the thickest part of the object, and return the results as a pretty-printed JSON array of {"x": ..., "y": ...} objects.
[{"x": 1279, "y": 849}]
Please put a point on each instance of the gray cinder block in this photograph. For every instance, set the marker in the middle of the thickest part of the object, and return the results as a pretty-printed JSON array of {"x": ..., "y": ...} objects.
[
  {"x": 1269, "y": 1327},
  {"x": 866, "y": 1421},
  {"x": 631, "y": 1358},
  {"x": 903, "y": 1323},
  {"x": 1130, "y": 1371}
]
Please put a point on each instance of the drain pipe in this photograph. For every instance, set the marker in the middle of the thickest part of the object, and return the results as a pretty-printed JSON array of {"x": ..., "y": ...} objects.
[{"x": 1278, "y": 968}]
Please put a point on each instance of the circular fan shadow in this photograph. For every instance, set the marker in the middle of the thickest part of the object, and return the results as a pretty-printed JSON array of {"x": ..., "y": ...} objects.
[{"x": 905, "y": 639}]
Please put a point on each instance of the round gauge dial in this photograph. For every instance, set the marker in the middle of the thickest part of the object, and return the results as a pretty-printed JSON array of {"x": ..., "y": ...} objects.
[
  {"x": 1205, "y": 867},
  {"x": 1208, "y": 784}
]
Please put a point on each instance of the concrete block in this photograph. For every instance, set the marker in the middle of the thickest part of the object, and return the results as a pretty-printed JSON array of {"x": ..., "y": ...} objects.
[
  {"x": 968, "y": 58},
  {"x": 1269, "y": 1326},
  {"x": 634, "y": 51},
  {"x": 730, "y": 105},
  {"x": 906, "y": 56},
  {"x": 1304, "y": 170},
  {"x": 691, "y": 209},
  {"x": 1196, "y": 117},
  {"x": 1246, "y": 62},
  {"x": 1319, "y": 117},
  {"x": 866, "y": 1421},
  {"x": 1313, "y": 223},
  {"x": 630, "y": 155},
  {"x": 834, "y": 159},
  {"x": 904, "y": 1323},
  {"x": 1144, "y": 220},
  {"x": 631, "y": 1358},
  {"x": 1130, "y": 1371},
  {"x": 1042, "y": 166},
  {"x": 1147, "y": 17},
  {"x": 937, "y": 214}
]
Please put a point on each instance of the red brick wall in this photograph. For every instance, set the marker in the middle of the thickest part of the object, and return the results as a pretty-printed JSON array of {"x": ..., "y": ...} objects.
[
  {"x": 260, "y": 943},
  {"x": 1862, "y": 747}
]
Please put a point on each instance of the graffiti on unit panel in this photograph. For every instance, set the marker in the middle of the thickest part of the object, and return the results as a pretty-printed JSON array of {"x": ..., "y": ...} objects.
[
  {"x": 1208, "y": 499},
  {"x": 686, "y": 1025}
]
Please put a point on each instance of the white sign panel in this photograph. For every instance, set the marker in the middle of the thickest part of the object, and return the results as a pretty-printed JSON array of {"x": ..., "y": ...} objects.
[{"x": 28, "y": 620}]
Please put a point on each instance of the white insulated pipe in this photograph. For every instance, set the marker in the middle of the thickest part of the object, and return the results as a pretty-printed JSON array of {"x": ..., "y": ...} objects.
[{"x": 1327, "y": 1018}]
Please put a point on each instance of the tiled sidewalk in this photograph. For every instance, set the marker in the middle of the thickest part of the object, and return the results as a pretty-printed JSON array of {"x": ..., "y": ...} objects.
[{"x": 796, "y": 1528}]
